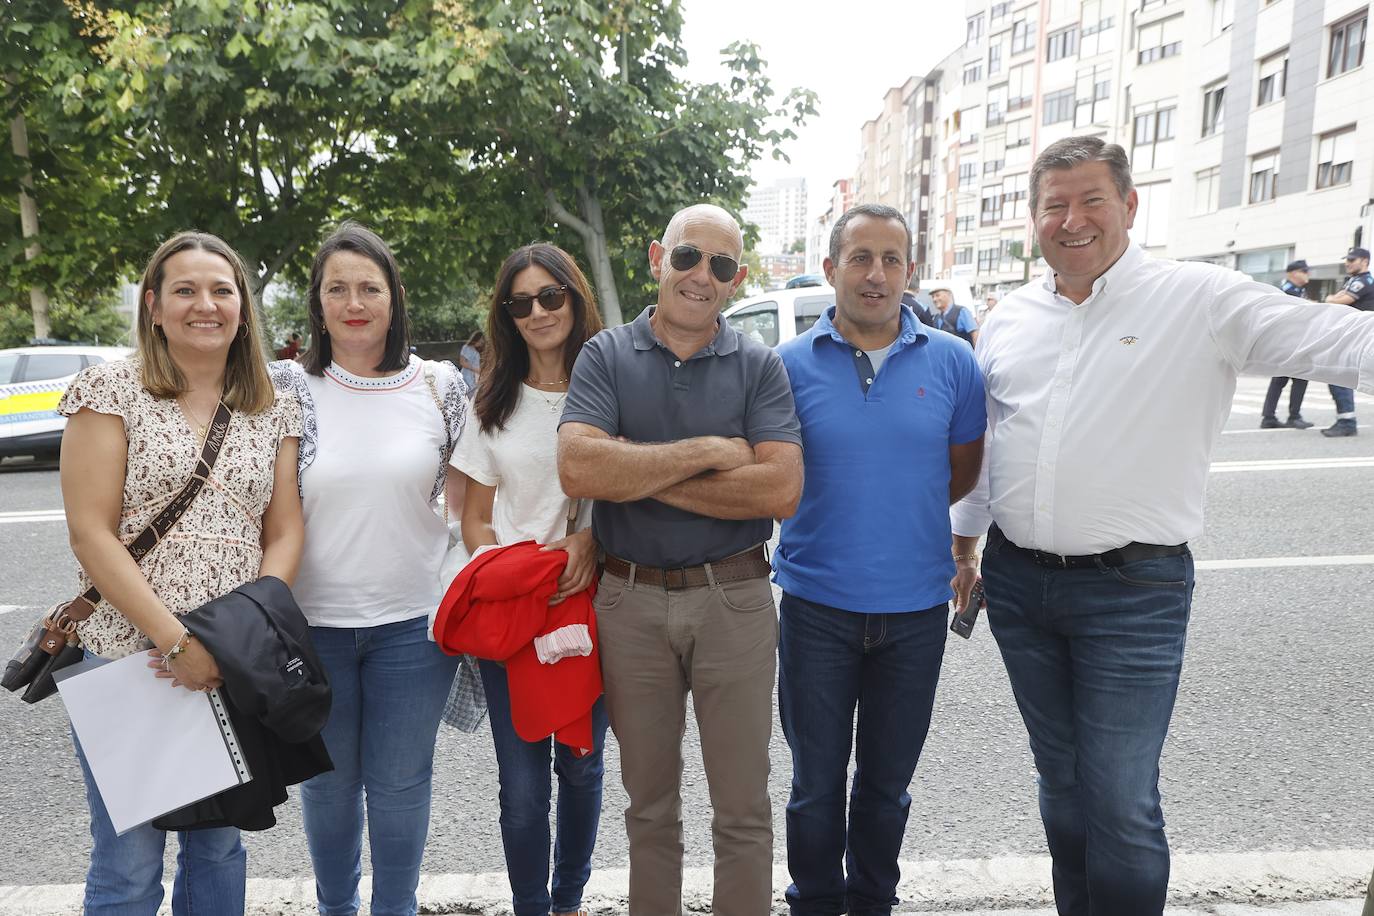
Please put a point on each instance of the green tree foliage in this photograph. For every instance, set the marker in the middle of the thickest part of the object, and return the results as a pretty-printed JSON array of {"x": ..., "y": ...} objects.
[{"x": 93, "y": 321}]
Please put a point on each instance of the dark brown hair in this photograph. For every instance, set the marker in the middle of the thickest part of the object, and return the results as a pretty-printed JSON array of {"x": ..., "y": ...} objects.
[
  {"x": 506, "y": 360},
  {"x": 354, "y": 237}
]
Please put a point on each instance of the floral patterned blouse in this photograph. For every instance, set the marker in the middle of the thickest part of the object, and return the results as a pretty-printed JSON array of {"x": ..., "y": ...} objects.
[{"x": 217, "y": 544}]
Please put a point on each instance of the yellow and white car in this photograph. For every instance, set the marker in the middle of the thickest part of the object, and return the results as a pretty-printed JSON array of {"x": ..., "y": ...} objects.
[{"x": 32, "y": 380}]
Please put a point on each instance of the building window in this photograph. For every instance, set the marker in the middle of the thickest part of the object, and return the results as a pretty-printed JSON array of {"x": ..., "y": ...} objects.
[
  {"x": 1223, "y": 15},
  {"x": 973, "y": 73},
  {"x": 1058, "y": 106},
  {"x": 968, "y": 175},
  {"x": 1207, "y": 190},
  {"x": 1014, "y": 189},
  {"x": 1213, "y": 103},
  {"x": 1022, "y": 38},
  {"x": 994, "y": 58},
  {"x": 1273, "y": 78},
  {"x": 963, "y": 255},
  {"x": 1061, "y": 44},
  {"x": 1093, "y": 87},
  {"x": 1020, "y": 88},
  {"x": 1347, "y": 45},
  {"x": 968, "y": 124},
  {"x": 987, "y": 260},
  {"x": 993, "y": 166},
  {"x": 1151, "y": 145},
  {"x": 999, "y": 12},
  {"x": 975, "y": 30},
  {"x": 1159, "y": 40},
  {"x": 1151, "y": 226},
  {"x": 1264, "y": 176},
  {"x": 1018, "y": 134},
  {"x": 992, "y": 205},
  {"x": 964, "y": 224},
  {"x": 1094, "y": 36},
  {"x": 1335, "y": 158}
]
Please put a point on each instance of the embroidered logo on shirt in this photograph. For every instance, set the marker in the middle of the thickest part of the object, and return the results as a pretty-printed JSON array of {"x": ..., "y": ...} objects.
[
  {"x": 920, "y": 392},
  {"x": 1128, "y": 340}
]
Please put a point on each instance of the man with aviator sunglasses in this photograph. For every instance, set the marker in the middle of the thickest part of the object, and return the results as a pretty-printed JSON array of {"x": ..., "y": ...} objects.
[{"x": 684, "y": 432}]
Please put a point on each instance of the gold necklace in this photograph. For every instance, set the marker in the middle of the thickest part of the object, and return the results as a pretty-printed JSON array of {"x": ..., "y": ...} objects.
[
  {"x": 199, "y": 424},
  {"x": 558, "y": 381}
]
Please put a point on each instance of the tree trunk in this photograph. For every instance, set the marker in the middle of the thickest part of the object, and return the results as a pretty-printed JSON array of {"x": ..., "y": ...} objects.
[
  {"x": 592, "y": 230},
  {"x": 28, "y": 219}
]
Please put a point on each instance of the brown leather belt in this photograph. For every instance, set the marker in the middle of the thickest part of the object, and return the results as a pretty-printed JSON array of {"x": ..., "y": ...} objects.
[{"x": 747, "y": 564}]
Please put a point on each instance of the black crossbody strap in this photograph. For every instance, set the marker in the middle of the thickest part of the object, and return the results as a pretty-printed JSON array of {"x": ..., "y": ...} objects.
[{"x": 167, "y": 519}]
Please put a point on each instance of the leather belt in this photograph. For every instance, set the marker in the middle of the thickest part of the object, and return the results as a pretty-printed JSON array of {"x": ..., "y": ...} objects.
[
  {"x": 1131, "y": 553},
  {"x": 747, "y": 564}
]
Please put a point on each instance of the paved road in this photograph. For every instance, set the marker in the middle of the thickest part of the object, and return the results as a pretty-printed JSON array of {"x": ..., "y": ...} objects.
[{"x": 1272, "y": 745}]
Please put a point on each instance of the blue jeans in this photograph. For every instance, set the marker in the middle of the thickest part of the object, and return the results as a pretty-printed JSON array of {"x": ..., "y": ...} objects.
[
  {"x": 526, "y": 788},
  {"x": 1094, "y": 657},
  {"x": 125, "y": 877},
  {"x": 1345, "y": 403},
  {"x": 830, "y": 663},
  {"x": 389, "y": 685}
]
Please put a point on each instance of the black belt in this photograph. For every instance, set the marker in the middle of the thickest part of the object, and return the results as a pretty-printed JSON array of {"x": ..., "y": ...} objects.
[
  {"x": 1131, "y": 553},
  {"x": 747, "y": 564}
]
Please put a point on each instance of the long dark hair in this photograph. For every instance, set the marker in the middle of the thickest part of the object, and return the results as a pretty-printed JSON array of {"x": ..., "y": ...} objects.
[
  {"x": 506, "y": 360},
  {"x": 354, "y": 237}
]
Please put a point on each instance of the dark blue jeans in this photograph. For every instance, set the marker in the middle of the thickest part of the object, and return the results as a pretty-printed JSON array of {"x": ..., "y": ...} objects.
[
  {"x": 526, "y": 788},
  {"x": 1345, "y": 403},
  {"x": 1094, "y": 657},
  {"x": 831, "y": 662}
]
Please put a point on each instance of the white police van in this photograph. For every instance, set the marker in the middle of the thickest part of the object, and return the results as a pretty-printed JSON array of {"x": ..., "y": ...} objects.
[{"x": 32, "y": 381}]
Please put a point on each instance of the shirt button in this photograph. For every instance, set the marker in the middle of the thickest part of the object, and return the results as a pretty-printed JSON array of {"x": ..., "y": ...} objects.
[
  {"x": 858, "y": 353},
  {"x": 676, "y": 363},
  {"x": 868, "y": 381}
]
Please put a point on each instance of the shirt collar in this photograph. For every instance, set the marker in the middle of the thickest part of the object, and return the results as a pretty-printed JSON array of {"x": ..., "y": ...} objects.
[
  {"x": 1130, "y": 259},
  {"x": 911, "y": 330},
  {"x": 724, "y": 343}
]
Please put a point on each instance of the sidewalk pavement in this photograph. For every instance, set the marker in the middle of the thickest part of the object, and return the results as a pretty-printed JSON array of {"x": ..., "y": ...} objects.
[{"x": 1308, "y": 883}]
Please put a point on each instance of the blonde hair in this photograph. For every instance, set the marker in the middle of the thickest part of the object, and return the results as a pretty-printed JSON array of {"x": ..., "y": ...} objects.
[{"x": 247, "y": 386}]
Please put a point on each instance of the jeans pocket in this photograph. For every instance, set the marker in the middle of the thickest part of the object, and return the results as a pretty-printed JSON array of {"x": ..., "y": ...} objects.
[
  {"x": 1158, "y": 572},
  {"x": 747, "y": 596},
  {"x": 609, "y": 593}
]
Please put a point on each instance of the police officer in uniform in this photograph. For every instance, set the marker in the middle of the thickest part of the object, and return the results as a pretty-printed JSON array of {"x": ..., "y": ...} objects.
[
  {"x": 1359, "y": 293},
  {"x": 1294, "y": 284}
]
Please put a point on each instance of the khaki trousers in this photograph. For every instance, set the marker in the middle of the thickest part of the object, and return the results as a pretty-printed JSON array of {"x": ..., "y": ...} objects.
[{"x": 720, "y": 642}]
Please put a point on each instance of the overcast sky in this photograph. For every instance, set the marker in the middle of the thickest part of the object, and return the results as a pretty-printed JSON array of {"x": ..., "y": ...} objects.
[{"x": 848, "y": 51}]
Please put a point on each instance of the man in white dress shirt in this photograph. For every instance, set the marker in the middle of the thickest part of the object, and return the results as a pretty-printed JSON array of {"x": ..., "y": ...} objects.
[{"x": 1108, "y": 381}]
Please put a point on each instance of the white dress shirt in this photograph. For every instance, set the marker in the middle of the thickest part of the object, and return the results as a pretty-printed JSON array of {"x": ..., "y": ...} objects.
[{"x": 1102, "y": 416}]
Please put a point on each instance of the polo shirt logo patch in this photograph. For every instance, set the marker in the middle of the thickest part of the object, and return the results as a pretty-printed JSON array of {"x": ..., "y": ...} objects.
[
  {"x": 1128, "y": 340},
  {"x": 920, "y": 392}
]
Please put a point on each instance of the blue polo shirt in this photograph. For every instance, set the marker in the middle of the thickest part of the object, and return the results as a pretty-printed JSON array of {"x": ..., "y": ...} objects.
[{"x": 872, "y": 532}]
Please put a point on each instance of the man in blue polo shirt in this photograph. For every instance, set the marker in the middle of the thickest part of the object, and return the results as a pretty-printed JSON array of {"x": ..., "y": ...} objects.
[{"x": 892, "y": 418}]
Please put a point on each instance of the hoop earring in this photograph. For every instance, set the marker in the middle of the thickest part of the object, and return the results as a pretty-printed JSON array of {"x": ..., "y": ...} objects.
[{"x": 243, "y": 330}]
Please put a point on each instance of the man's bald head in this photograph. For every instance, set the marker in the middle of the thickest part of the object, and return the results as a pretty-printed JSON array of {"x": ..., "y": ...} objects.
[{"x": 705, "y": 215}]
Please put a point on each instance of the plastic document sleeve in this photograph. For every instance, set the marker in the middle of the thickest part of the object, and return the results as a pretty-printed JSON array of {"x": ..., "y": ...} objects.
[{"x": 152, "y": 747}]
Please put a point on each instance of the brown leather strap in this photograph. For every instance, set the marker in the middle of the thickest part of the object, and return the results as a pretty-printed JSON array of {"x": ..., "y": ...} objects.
[
  {"x": 747, "y": 564},
  {"x": 78, "y": 609}
]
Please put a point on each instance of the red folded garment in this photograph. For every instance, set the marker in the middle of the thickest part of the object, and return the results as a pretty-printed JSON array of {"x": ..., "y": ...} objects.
[{"x": 495, "y": 608}]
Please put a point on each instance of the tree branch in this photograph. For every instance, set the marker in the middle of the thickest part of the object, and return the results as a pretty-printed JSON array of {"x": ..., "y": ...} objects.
[{"x": 564, "y": 215}]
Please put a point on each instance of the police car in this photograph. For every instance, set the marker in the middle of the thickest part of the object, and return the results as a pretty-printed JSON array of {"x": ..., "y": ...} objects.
[{"x": 32, "y": 380}]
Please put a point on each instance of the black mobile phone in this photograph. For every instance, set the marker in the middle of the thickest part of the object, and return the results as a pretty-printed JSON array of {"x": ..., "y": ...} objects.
[{"x": 962, "y": 624}]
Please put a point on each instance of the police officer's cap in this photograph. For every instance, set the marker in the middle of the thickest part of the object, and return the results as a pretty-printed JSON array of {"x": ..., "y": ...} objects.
[
  {"x": 1299, "y": 264},
  {"x": 1356, "y": 253}
]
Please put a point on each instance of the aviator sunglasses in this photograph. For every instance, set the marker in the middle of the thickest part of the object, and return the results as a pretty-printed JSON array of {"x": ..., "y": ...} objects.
[
  {"x": 685, "y": 257},
  {"x": 550, "y": 300}
]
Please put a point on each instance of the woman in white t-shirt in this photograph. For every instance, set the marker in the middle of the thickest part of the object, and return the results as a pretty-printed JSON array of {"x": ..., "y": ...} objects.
[
  {"x": 542, "y": 312},
  {"x": 379, "y": 427}
]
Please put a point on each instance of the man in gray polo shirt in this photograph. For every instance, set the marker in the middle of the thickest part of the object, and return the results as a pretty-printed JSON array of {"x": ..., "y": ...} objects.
[{"x": 684, "y": 432}]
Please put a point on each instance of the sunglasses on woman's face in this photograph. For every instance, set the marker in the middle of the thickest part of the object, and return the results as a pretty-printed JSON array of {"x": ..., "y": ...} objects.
[
  {"x": 685, "y": 257},
  {"x": 550, "y": 300}
]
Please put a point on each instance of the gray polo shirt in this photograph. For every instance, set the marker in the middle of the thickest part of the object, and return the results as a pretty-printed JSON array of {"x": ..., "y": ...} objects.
[{"x": 627, "y": 383}]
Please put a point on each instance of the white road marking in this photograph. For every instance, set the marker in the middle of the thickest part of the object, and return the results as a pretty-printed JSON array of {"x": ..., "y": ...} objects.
[
  {"x": 1356, "y": 559},
  {"x": 33, "y": 515},
  {"x": 1291, "y": 464},
  {"x": 960, "y": 884},
  {"x": 8, "y": 608}
]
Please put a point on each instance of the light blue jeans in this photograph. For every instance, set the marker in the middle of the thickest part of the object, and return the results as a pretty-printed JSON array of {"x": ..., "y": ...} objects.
[
  {"x": 390, "y": 683},
  {"x": 125, "y": 876}
]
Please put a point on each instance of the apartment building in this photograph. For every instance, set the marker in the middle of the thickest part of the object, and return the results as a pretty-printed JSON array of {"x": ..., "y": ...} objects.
[
  {"x": 779, "y": 210},
  {"x": 1241, "y": 117},
  {"x": 818, "y": 231}
]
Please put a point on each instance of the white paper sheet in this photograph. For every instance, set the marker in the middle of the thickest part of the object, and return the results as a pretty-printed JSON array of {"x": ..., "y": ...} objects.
[{"x": 152, "y": 747}]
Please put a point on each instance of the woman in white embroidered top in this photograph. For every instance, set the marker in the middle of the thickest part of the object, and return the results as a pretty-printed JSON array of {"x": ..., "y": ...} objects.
[
  {"x": 542, "y": 312},
  {"x": 380, "y": 424},
  {"x": 136, "y": 431}
]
